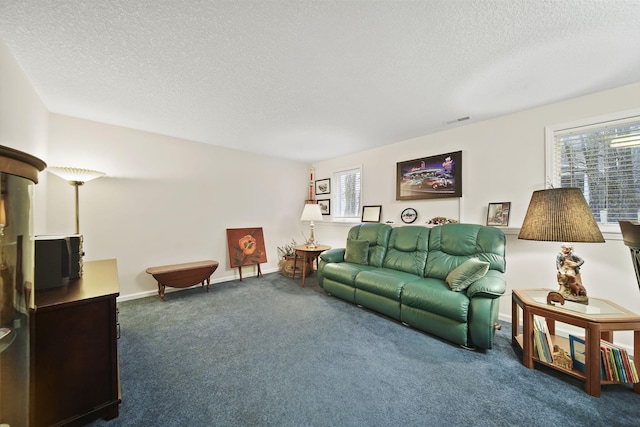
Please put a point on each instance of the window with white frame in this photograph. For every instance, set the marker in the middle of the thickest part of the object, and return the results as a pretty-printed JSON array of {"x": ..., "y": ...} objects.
[
  {"x": 347, "y": 194},
  {"x": 602, "y": 158}
]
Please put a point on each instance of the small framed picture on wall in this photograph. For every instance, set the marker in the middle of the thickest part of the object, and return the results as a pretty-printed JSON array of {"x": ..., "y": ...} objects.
[
  {"x": 498, "y": 214},
  {"x": 323, "y": 186},
  {"x": 325, "y": 206},
  {"x": 371, "y": 213}
]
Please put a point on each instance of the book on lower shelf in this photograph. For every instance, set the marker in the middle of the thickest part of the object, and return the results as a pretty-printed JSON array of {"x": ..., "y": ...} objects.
[
  {"x": 542, "y": 341},
  {"x": 547, "y": 351},
  {"x": 615, "y": 362},
  {"x": 578, "y": 352}
]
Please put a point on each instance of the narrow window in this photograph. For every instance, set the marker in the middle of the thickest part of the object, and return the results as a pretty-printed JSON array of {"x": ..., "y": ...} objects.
[{"x": 346, "y": 197}]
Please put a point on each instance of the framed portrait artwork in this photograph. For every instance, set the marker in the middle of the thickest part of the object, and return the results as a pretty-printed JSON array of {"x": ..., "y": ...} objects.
[
  {"x": 498, "y": 214},
  {"x": 325, "y": 206},
  {"x": 371, "y": 213},
  {"x": 323, "y": 186},
  {"x": 430, "y": 177}
]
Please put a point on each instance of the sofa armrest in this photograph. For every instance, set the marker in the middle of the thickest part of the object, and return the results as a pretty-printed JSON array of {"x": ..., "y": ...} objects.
[
  {"x": 333, "y": 255},
  {"x": 492, "y": 285}
]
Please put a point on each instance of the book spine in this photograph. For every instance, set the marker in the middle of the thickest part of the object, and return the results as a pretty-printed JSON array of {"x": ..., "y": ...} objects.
[
  {"x": 622, "y": 373},
  {"x": 537, "y": 336},
  {"x": 603, "y": 366},
  {"x": 608, "y": 375},
  {"x": 547, "y": 335},
  {"x": 628, "y": 366},
  {"x": 545, "y": 340}
]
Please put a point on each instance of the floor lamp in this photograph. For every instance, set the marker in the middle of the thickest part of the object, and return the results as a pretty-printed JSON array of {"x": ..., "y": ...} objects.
[{"x": 76, "y": 177}]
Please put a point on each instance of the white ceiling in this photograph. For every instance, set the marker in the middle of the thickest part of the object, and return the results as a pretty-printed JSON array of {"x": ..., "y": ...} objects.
[{"x": 313, "y": 80}]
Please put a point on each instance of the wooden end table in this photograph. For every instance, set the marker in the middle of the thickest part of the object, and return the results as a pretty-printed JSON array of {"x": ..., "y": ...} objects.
[
  {"x": 599, "y": 319},
  {"x": 183, "y": 275},
  {"x": 307, "y": 253}
]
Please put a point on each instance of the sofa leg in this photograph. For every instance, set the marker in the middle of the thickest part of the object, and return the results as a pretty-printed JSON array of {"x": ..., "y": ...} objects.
[
  {"x": 469, "y": 347},
  {"x": 497, "y": 326}
]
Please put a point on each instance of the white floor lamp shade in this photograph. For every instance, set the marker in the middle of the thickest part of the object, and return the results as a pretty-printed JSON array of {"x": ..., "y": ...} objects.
[{"x": 75, "y": 177}]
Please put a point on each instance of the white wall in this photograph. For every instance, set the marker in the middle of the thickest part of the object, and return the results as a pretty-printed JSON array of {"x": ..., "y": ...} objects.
[
  {"x": 503, "y": 161},
  {"x": 166, "y": 200},
  {"x": 23, "y": 120}
]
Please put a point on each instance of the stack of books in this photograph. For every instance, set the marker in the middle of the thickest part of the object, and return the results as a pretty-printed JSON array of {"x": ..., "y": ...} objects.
[
  {"x": 615, "y": 362},
  {"x": 542, "y": 340}
]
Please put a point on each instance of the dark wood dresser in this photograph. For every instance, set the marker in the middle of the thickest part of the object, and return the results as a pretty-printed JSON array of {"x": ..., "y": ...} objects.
[{"x": 75, "y": 374}]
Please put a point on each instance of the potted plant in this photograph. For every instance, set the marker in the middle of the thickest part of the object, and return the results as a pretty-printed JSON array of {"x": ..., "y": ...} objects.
[{"x": 287, "y": 255}]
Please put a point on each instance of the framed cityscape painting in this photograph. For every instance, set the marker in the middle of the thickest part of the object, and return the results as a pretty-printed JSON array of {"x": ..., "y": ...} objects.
[{"x": 430, "y": 177}]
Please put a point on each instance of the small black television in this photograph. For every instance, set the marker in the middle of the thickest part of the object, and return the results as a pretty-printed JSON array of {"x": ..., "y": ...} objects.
[{"x": 58, "y": 260}]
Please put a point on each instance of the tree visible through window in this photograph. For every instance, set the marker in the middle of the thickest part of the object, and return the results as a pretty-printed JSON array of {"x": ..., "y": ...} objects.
[
  {"x": 603, "y": 160},
  {"x": 346, "y": 198}
]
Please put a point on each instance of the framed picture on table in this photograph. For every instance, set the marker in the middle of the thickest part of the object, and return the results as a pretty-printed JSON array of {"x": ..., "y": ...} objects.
[
  {"x": 578, "y": 352},
  {"x": 498, "y": 214}
]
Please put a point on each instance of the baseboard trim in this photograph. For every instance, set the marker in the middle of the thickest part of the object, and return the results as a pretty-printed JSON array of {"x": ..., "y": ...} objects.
[{"x": 169, "y": 290}]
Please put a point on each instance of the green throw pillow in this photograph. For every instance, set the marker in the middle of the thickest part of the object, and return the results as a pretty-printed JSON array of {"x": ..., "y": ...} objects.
[
  {"x": 357, "y": 252},
  {"x": 461, "y": 277}
]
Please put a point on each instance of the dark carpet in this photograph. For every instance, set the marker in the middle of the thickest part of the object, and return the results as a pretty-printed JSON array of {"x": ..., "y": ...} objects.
[{"x": 267, "y": 352}]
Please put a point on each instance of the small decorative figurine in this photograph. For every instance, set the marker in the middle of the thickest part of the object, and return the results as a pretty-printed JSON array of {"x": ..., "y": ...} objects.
[
  {"x": 561, "y": 358},
  {"x": 568, "y": 264}
]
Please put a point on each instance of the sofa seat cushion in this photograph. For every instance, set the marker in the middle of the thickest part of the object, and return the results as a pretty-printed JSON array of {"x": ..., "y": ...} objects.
[
  {"x": 384, "y": 282},
  {"x": 344, "y": 272},
  {"x": 434, "y": 295}
]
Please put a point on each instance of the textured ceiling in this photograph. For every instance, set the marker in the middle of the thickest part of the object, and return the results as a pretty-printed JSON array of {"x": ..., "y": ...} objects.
[{"x": 312, "y": 80}]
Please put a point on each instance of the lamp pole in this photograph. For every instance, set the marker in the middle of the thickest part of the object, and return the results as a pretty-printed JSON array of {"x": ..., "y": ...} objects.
[{"x": 76, "y": 185}]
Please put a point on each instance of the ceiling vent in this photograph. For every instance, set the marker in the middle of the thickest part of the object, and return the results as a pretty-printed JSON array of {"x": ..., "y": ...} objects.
[{"x": 461, "y": 119}]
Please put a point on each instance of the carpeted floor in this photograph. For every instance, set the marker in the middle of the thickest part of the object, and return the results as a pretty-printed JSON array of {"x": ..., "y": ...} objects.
[{"x": 267, "y": 352}]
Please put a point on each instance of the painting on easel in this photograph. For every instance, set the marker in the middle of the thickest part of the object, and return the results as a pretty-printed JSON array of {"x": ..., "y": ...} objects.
[{"x": 246, "y": 247}]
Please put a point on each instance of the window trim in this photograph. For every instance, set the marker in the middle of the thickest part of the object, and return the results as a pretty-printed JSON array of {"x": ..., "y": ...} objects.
[{"x": 550, "y": 167}]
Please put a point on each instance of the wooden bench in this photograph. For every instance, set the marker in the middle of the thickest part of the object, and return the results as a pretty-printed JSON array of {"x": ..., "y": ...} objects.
[{"x": 183, "y": 275}]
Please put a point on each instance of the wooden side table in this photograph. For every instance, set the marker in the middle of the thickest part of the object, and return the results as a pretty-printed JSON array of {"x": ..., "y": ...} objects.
[
  {"x": 183, "y": 275},
  {"x": 307, "y": 254},
  {"x": 599, "y": 319}
]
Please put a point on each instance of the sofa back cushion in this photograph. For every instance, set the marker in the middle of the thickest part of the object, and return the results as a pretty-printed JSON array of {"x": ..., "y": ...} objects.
[
  {"x": 407, "y": 250},
  {"x": 378, "y": 237},
  {"x": 452, "y": 244}
]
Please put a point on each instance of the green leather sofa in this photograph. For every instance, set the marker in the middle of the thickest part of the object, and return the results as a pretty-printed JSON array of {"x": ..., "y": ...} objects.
[{"x": 445, "y": 280}]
